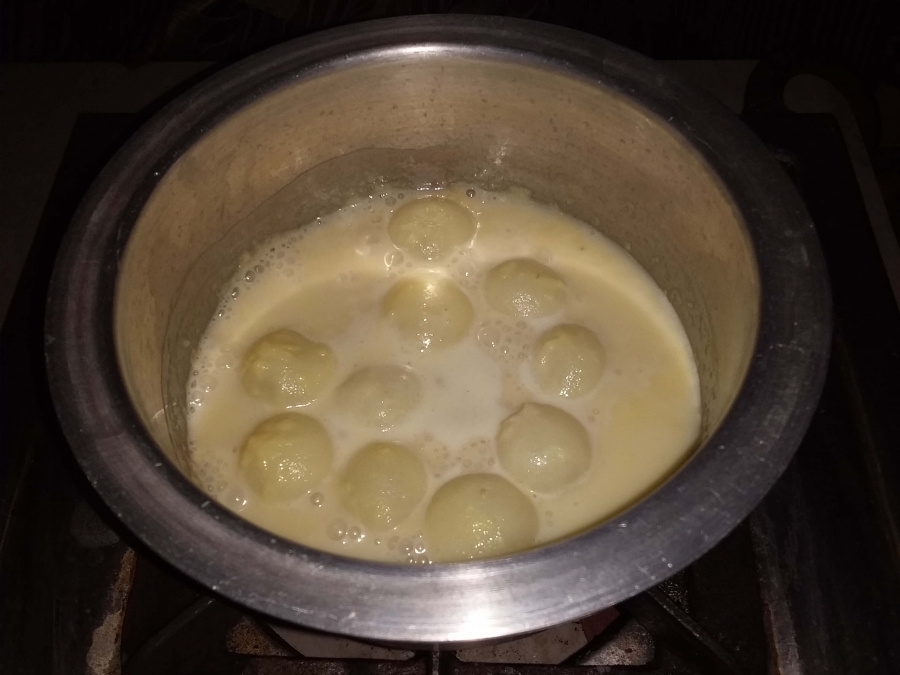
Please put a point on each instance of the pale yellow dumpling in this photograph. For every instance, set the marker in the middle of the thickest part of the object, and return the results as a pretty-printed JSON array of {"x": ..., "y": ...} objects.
[
  {"x": 479, "y": 515},
  {"x": 525, "y": 288},
  {"x": 286, "y": 369},
  {"x": 430, "y": 228},
  {"x": 285, "y": 456},
  {"x": 382, "y": 484},
  {"x": 568, "y": 361},
  {"x": 379, "y": 396},
  {"x": 543, "y": 447},
  {"x": 429, "y": 312}
]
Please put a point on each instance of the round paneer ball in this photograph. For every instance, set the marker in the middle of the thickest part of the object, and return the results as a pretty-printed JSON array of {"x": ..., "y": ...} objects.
[
  {"x": 285, "y": 456},
  {"x": 286, "y": 369},
  {"x": 379, "y": 396},
  {"x": 382, "y": 484},
  {"x": 429, "y": 312},
  {"x": 479, "y": 515},
  {"x": 543, "y": 447},
  {"x": 525, "y": 288},
  {"x": 568, "y": 361},
  {"x": 431, "y": 227}
]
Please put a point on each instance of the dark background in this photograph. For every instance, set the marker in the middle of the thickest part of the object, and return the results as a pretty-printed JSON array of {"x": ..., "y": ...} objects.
[{"x": 863, "y": 35}]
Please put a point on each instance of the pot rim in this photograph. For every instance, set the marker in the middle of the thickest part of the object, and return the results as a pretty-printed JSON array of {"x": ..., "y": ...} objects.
[{"x": 457, "y": 602}]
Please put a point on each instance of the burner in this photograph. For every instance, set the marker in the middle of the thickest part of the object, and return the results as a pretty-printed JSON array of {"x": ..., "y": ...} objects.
[
  {"x": 167, "y": 630},
  {"x": 808, "y": 585}
]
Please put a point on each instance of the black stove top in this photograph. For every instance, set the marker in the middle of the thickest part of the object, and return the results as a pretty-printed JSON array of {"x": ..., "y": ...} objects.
[{"x": 809, "y": 584}]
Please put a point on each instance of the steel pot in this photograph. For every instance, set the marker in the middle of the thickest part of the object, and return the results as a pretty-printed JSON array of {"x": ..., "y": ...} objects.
[{"x": 289, "y": 134}]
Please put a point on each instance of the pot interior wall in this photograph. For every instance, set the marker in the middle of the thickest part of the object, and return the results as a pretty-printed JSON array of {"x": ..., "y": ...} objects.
[{"x": 408, "y": 119}]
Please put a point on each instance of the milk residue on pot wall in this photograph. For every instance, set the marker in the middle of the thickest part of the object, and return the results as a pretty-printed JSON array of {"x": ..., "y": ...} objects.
[{"x": 556, "y": 375}]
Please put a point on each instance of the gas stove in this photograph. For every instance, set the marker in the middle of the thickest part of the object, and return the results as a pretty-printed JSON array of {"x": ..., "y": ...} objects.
[{"x": 809, "y": 584}]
